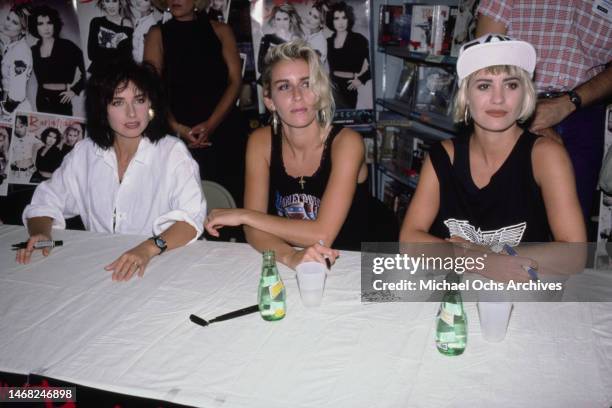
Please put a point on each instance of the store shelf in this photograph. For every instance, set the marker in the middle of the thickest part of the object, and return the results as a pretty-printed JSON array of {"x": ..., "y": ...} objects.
[
  {"x": 433, "y": 126},
  {"x": 395, "y": 173},
  {"x": 404, "y": 53}
]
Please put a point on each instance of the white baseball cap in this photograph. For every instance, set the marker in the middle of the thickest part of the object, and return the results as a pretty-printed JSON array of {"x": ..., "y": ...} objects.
[{"x": 495, "y": 49}]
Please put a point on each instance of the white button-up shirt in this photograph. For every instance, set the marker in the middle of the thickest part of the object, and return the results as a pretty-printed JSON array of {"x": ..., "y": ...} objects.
[{"x": 160, "y": 186}]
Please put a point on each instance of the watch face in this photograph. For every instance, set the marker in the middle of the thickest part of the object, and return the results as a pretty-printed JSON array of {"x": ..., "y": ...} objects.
[{"x": 160, "y": 243}]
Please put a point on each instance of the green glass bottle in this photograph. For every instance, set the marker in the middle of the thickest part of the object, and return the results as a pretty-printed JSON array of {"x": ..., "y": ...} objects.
[
  {"x": 451, "y": 326},
  {"x": 271, "y": 294}
]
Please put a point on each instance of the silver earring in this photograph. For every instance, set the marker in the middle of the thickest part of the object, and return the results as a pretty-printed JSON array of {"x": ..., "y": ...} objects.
[
  {"x": 466, "y": 115},
  {"x": 195, "y": 10},
  {"x": 274, "y": 122},
  {"x": 151, "y": 113}
]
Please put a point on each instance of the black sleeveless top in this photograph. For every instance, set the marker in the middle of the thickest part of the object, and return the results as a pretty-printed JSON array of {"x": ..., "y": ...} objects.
[
  {"x": 288, "y": 198},
  {"x": 509, "y": 209},
  {"x": 195, "y": 75}
]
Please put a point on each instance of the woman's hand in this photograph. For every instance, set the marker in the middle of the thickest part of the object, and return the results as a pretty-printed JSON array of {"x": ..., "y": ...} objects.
[
  {"x": 133, "y": 261},
  {"x": 67, "y": 96},
  {"x": 353, "y": 84},
  {"x": 316, "y": 253},
  {"x": 201, "y": 132},
  {"x": 219, "y": 218},
  {"x": 23, "y": 255}
]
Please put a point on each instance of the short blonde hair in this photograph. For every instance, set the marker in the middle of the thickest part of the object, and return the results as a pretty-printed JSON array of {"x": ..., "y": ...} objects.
[
  {"x": 319, "y": 81},
  {"x": 529, "y": 99}
]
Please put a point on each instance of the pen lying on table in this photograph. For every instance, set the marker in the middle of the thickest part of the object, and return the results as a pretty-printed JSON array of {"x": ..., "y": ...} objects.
[
  {"x": 38, "y": 245},
  {"x": 227, "y": 316}
]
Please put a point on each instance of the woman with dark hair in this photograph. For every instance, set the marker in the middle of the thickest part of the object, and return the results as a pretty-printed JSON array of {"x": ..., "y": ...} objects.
[
  {"x": 127, "y": 177},
  {"x": 110, "y": 36},
  {"x": 56, "y": 61},
  {"x": 348, "y": 54},
  {"x": 16, "y": 61},
  {"x": 200, "y": 67},
  {"x": 286, "y": 25},
  {"x": 48, "y": 157}
]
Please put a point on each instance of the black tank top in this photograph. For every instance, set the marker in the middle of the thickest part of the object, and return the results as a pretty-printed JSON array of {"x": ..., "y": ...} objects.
[
  {"x": 195, "y": 74},
  {"x": 288, "y": 198},
  {"x": 509, "y": 209}
]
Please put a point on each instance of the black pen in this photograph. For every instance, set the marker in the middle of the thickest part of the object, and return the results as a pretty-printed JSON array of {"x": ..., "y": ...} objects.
[
  {"x": 327, "y": 261},
  {"x": 38, "y": 245}
]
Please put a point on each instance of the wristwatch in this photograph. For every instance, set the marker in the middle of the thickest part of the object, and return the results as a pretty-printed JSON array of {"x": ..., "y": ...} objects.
[
  {"x": 160, "y": 243},
  {"x": 574, "y": 98}
]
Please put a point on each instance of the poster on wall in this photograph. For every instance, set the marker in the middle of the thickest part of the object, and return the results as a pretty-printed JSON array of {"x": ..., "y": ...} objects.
[
  {"x": 42, "y": 62},
  {"x": 114, "y": 29},
  {"x": 338, "y": 30},
  {"x": 38, "y": 145},
  {"x": 5, "y": 143}
]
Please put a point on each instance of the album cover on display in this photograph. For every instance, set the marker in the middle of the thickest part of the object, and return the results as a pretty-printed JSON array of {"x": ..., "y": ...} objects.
[
  {"x": 389, "y": 24},
  {"x": 435, "y": 89},
  {"x": 406, "y": 83}
]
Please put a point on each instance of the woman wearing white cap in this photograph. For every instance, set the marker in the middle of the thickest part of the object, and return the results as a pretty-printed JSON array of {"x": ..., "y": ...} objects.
[{"x": 496, "y": 183}]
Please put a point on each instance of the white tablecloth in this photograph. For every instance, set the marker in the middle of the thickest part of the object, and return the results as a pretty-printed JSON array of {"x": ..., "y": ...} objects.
[{"x": 63, "y": 317}]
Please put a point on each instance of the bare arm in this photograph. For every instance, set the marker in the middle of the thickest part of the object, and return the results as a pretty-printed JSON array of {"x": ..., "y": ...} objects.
[
  {"x": 423, "y": 207},
  {"x": 488, "y": 25},
  {"x": 256, "y": 202},
  {"x": 154, "y": 55},
  {"x": 136, "y": 259},
  {"x": 232, "y": 60},
  {"x": 348, "y": 155},
  {"x": 550, "y": 112}
]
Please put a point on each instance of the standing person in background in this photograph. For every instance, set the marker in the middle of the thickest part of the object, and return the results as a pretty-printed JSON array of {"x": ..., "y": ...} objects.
[
  {"x": 286, "y": 25},
  {"x": 348, "y": 54},
  {"x": 56, "y": 62},
  {"x": 143, "y": 17},
  {"x": 200, "y": 67},
  {"x": 314, "y": 23},
  {"x": 574, "y": 45},
  {"x": 16, "y": 61},
  {"x": 110, "y": 36}
]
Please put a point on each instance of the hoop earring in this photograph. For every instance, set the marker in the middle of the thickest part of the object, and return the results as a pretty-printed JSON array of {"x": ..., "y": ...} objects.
[
  {"x": 274, "y": 122},
  {"x": 151, "y": 113},
  {"x": 466, "y": 115}
]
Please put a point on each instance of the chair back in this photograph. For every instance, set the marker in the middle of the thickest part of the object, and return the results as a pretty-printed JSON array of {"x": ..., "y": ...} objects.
[{"x": 217, "y": 196}]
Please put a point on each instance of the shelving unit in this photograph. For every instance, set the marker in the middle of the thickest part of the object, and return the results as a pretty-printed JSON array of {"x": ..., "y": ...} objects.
[{"x": 429, "y": 127}]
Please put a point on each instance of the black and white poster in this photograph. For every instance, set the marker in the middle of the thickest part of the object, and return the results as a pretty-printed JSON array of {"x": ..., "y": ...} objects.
[
  {"x": 42, "y": 63},
  {"x": 112, "y": 29},
  {"x": 338, "y": 30}
]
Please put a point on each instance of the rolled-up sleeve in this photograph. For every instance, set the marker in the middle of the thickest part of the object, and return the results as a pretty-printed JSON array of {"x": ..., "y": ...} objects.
[
  {"x": 187, "y": 201},
  {"x": 54, "y": 198}
]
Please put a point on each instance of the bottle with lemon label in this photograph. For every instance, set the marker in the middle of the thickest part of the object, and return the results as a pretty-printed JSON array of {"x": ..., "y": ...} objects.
[{"x": 271, "y": 294}]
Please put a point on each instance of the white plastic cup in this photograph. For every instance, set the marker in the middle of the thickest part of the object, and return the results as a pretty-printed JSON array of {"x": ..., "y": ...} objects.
[
  {"x": 494, "y": 318},
  {"x": 311, "y": 281}
]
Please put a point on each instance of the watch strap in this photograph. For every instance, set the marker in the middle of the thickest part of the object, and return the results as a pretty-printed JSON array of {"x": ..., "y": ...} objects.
[
  {"x": 159, "y": 243},
  {"x": 574, "y": 98}
]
